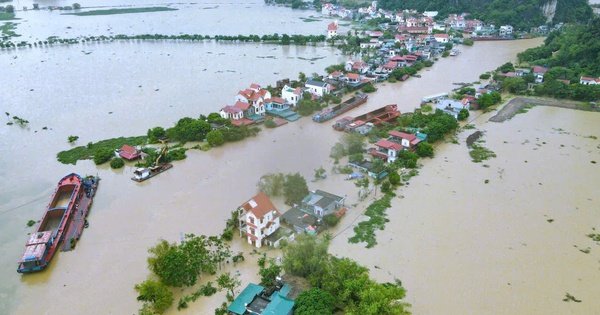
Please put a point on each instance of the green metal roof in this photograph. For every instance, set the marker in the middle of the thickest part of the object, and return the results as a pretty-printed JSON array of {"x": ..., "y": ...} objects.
[
  {"x": 279, "y": 306},
  {"x": 238, "y": 306}
]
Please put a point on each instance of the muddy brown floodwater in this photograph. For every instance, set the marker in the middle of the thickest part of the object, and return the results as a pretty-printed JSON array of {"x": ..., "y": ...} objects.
[{"x": 457, "y": 244}]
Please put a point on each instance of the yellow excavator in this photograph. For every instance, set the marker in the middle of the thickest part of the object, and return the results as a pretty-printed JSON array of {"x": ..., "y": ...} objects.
[{"x": 143, "y": 173}]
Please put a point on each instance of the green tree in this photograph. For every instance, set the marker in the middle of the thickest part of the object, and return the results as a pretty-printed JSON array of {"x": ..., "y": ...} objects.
[
  {"x": 215, "y": 138},
  {"x": 268, "y": 271},
  {"x": 314, "y": 301},
  {"x": 272, "y": 184},
  {"x": 394, "y": 178},
  {"x": 229, "y": 282},
  {"x": 294, "y": 188},
  {"x": 76, "y": 6},
  {"x": 189, "y": 129},
  {"x": 156, "y": 134},
  {"x": 117, "y": 163},
  {"x": 463, "y": 114},
  {"x": 103, "y": 155},
  {"x": 72, "y": 139},
  {"x": 301, "y": 77},
  {"x": 353, "y": 143},
  {"x": 306, "y": 257},
  {"x": 156, "y": 296},
  {"x": 9, "y": 9},
  {"x": 425, "y": 149}
]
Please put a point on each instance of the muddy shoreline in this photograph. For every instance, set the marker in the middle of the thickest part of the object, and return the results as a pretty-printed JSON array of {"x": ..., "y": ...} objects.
[{"x": 518, "y": 103}]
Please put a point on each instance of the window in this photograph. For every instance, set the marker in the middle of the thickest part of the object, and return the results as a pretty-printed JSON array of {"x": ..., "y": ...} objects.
[
  {"x": 251, "y": 219},
  {"x": 252, "y": 231}
]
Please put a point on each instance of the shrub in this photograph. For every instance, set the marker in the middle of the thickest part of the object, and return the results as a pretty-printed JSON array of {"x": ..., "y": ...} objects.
[
  {"x": 176, "y": 154},
  {"x": 117, "y": 163},
  {"x": 331, "y": 220},
  {"x": 425, "y": 149},
  {"x": 369, "y": 88},
  {"x": 30, "y": 223},
  {"x": 269, "y": 123},
  {"x": 463, "y": 114},
  {"x": 103, "y": 155},
  {"x": 485, "y": 76},
  {"x": 215, "y": 138},
  {"x": 468, "y": 42},
  {"x": 72, "y": 139}
]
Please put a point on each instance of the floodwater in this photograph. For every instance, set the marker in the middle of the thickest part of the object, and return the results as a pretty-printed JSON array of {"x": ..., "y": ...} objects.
[
  {"x": 98, "y": 95},
  {"x": 511, "y": 246},
  {"x": 217, "y": 17}
]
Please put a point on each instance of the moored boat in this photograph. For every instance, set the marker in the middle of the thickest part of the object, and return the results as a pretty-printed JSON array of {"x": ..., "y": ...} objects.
[
  {"x": 43, "y": 243},
  {"x": 337, "y": 110}
]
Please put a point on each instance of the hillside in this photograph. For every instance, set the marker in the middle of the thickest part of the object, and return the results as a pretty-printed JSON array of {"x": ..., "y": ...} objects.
[{"x": 523, "y": 14}]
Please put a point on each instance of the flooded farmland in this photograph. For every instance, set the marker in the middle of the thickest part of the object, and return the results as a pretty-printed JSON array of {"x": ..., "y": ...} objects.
[{"x": 489, "y": 245}]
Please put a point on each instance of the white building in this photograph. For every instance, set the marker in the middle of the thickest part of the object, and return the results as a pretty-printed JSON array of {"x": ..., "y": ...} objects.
[
  {"x": 506, "y": 30},
  {"x": 589, "y": 81},
  {"x": 332, "y": 29},
  {"x": 258, "y": 218},
  {"x": 290, "y": 95},
  {"x": 317, "y": 88}
]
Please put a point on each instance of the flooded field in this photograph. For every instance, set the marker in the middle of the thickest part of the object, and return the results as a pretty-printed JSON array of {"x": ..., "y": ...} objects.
[
  {"x": 217, "y": 17},
  {"x": 454, "y": 243},
  {"x": 514, "y": 245}
]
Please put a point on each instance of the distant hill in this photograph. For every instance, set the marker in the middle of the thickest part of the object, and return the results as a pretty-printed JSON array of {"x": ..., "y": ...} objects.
[{"x": 522, "y": 14}]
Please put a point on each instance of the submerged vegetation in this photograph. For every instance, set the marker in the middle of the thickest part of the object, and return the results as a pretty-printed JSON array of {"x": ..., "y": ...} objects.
[
  {"x": 122, "y": 11},
  {"x": 90, "y": 150}
]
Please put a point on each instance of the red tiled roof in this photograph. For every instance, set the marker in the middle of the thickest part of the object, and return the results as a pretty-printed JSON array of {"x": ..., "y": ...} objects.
[
  {"x": 352, "y": 76},
  {"x": 390, "y": 65},
  {"x": 242, "y": 105},
  {"x": 278, "y": 100},
  {"x": 332, "y": 26},
  {"x": 590, "y": 79},
  {"x": 441, "y": 35},
  {"x": 255, "y": 86},
  {"x": 402, "y": 135},
  {"x": 387, "y": 144},
  {"x": 231, "y": 109},
  {"x": 128, "y": 152},
  {"x": 260, "y": 205},
  {"x": 540, "y": 69},
  {"x": 336, "y": 74}
]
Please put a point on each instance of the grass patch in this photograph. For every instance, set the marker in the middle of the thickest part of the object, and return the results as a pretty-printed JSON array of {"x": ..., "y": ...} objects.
[
  {"x": 309, "y": 20},
  {"x": 525, "y": 109},
  {"x": 86, "y": 152},
  {"x": 365, "y": 231},
  {"x": 121, "y": 11},
  {"x": 5, "y": 16},
  {"x": 480, "y": 153},
  {"x": 8, "y": 29}
]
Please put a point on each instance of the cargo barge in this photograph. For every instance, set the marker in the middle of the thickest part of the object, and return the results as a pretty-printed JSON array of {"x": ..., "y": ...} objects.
[
  {"x": 72, "y": 198},
  {"x": 337, "y": 110},
  {"x": 376, "y": 117}
]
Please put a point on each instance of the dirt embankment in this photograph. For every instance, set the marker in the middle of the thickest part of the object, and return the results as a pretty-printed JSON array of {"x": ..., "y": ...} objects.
[{"x": 516, "y": 104}]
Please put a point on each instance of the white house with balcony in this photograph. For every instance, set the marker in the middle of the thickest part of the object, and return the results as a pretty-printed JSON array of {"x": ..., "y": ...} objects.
[
  {"x": 258, "y": 219},
  {"x": 290, "y": 95},
  {"x": 317, "y": 88}
]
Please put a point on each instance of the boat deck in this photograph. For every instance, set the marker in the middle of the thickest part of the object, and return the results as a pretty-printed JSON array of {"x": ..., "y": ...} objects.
[{"x": 75, "y": 228}]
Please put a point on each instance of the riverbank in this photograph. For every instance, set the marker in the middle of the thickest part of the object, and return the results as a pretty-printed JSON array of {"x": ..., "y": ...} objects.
[{"x": 518, "y": 104}]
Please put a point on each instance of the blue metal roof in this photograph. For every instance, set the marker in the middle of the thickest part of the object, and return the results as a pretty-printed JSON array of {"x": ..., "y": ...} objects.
[
  {"x": 279, "y": 306},
  {"x": 238, "y": 306}
]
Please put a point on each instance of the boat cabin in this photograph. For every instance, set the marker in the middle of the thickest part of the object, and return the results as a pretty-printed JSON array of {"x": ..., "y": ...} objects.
[
  {"x": 35, "y": 250},
  {"x": 141, "y": 173}
]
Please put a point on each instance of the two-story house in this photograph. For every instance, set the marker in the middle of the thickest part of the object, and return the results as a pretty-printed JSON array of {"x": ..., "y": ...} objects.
[
  {"x": 290, "y": 95},
  {"x": 258, "y": 218},
  {"x": 317, "y": 88}
]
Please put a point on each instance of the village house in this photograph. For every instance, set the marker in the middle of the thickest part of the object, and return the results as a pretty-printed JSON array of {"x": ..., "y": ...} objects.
[
  {"x": 255, "y": 95},
  {"x": 332, "y": 29},
  {"x": 538, "y": 73},
  {"x": 451, "y": 107},
  {"x": 353, "y": 78},
  {"x": 231, "y": 112},
  {"x": 408, "y": 141},
  {"x": 129, "y": 153},
  {"x": 258, "y": 300},
  {"x": 317, "y": 88},
  {"x": 506, "y": 30},
  {"x": 386, "y": 150},
  {"x": 589, "y": 81},
  {"x": 290, "y": 95},
  {"x": 442, "y": 38},
  {"x": 307, "y": 217},
  {"x": 258, "y": 219}
]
